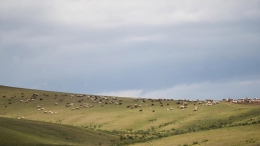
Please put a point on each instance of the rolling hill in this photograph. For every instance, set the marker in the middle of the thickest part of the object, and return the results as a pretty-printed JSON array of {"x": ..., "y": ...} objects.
[{"x": 36, "y": 117}]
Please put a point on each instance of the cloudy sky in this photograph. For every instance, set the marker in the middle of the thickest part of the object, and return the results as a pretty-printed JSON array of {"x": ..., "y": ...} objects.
[{"x": 142, "y": 48}]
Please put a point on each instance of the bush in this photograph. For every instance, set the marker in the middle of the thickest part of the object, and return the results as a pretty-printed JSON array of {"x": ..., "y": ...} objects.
[{"x": 205, "y": 140}]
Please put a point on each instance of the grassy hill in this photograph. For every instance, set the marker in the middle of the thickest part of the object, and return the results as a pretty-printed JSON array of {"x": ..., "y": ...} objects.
[
  {"x": 27, "y": 132},
  {"x": 112, "y": 122}
]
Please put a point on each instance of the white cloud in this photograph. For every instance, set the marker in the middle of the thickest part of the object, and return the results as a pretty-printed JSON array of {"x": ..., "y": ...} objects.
[
  {"x": 116, "y": 13},
  {"x": 205, "y": 90},
  {"x": 236, "y": 89},
  {"x": 124, "y": 93}
]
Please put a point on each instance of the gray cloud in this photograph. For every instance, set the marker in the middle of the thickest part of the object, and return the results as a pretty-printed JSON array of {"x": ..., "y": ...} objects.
[{"x": 138, "y": 46}]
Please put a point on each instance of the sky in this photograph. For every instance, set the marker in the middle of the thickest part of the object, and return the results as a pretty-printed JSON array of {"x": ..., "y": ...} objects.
[{"x": 140, "y": 48}]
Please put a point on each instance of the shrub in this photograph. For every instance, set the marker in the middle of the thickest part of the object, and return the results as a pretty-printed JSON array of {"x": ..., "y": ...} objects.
[{"x": 204, "y": 140}]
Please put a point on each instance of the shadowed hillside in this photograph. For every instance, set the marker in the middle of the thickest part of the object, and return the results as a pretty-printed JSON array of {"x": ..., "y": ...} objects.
[{"x": 26, "y": 132}]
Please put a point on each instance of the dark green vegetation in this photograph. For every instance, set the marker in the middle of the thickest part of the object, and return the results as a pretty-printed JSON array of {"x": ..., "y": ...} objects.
[
  {"x": 113, "y": 122},
  {"x": 27, "y": 132}
]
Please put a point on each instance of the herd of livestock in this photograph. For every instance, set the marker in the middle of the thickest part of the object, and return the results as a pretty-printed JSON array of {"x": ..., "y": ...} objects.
[{"x": 138, "y": 102}]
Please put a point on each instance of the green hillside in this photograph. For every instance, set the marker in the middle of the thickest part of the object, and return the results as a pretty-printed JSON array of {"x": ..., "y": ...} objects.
[
  {"x": 122, "y": 121},
  {"x": 27, "y": 132}
]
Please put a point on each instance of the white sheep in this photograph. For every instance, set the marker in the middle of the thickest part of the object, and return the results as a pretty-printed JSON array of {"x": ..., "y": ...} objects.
[{"x": 195, "y": 108}]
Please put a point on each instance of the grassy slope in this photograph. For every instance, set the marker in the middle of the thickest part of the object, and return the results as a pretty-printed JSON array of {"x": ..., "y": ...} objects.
[
  {"x": 235, "y": 136},
  {"x": 130, "y": 124},
  {"x": 26, "y": 132}
]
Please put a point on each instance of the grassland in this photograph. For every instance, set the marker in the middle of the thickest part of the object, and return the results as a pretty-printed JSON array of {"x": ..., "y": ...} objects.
[
  {"x": 114, "y": 124},
  {"x": 27, "y": 132}
]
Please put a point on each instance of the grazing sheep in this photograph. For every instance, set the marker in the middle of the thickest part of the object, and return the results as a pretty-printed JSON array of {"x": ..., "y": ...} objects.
[
  {"x": 69, "y": 104},
  {"x": 181, "y": 107},
  {"x": 234, "y": 101},
  {"x": 208, "y": 104},
  {"x": 195, "y": 108}
]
